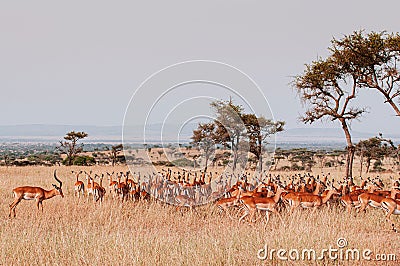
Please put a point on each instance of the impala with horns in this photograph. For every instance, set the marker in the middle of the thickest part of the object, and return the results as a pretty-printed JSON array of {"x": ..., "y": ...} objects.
[{"x": 35, "y": 193}]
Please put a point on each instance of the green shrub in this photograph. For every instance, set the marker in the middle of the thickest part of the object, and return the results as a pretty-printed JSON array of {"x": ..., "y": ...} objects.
[{"x": 81, "y": 161}]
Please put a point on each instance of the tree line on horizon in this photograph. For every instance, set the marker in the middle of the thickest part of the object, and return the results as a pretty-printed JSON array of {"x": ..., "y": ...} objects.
[{"x": 372, "y": 153}]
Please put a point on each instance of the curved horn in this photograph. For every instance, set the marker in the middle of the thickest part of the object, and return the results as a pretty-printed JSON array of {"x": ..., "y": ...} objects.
[{"x": 58, "y": 180}]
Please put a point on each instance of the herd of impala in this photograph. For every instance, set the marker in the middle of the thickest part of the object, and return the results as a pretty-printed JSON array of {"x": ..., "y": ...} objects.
[{"x": 185, "y": 189}]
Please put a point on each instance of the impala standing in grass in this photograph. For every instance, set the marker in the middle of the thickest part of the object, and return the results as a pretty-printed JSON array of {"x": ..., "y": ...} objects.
[{"x": 35, "y": 193}]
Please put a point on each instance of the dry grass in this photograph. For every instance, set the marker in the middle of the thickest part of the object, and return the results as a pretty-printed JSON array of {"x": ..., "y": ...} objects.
[{"x": 76, "y": 232}]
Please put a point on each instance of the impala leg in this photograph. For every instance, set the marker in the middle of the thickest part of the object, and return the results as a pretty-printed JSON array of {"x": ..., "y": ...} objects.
[
  {"x": 362, "y": 207},
  {"x": 252, "y": 213},
  {"x": 221, "y": 210},
  {"x": 315, "y": 208},
  {"x": 244, "y": 215},
  {"x": 38, "y": 204},
  {"x": 294, "y": 206},
  {"x": 280, "y": 216},
  {"x": 348, "y": 208},
  {"x": 390, "y": 212},
  {"x": 180, "y": 206},
  {"x": 267, "y": 214},
  {"x": 13, "y": 206},
  {"x": 394, "y": 228}
]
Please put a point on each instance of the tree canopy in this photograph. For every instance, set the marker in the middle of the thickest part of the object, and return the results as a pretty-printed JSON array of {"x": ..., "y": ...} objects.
[
  {"x": 240, "y": 131},
  {"x": 328, "y": 87},
  {"x": 70, "y": 145}
]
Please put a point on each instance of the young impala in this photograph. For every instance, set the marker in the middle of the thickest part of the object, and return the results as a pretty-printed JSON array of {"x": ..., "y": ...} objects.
[{"x": 35, "y": 193}]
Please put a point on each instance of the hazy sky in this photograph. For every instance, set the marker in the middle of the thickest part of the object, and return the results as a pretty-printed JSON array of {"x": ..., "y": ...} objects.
[{"x": 79, "y": 62}]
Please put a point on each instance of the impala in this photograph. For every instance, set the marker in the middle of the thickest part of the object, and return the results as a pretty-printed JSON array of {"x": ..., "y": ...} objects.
[
  {"x": 390, "y": 206},
  {"x": 184, "y": 201},
  {"x": 112, "y": 185},
  {"x": 35, "y": 193},
  {"x": 98, "y": 190},
  {"x": 89, "y": 189},
  {"x": 79, "y": 187},
  {"x": 350, "y": 200},
  {"x": 373, "y": 199},
  {"x": 267, "y": 204},
  {"x": 122, "y": 187},
  {"x": 224, "y": 203},
  {"x": 286, "y": 196},
  {"x": 308, "y": 200}
]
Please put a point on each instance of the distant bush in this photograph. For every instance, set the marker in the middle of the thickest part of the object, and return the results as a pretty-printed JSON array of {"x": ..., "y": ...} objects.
[
  {"x": 296, "y": 167},
  {"x": 183, "y": 162},
  {"x": 81, "y": 161},
  {"x": 285, "y": 168},
  {"x": 163, "y": 163},
  {"x": 378, "y": 166}
]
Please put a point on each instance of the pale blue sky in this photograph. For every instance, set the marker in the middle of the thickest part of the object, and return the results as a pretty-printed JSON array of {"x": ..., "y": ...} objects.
[{"x": 79, "y": 62}]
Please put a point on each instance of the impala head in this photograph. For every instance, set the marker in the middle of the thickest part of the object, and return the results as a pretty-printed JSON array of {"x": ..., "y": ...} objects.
[{"x": 58, "y": 188}]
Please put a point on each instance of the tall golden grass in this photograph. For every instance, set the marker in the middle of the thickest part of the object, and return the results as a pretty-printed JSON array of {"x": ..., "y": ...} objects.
[{"x": 79, "y": 232}]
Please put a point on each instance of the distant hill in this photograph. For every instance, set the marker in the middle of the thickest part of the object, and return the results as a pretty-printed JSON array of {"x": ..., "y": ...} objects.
[
  {"x": 54, "y": 133},
  {"x": 57, "y": 130}
]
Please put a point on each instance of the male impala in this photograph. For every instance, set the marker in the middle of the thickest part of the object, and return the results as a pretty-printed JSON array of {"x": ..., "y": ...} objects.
[{"x": 35, "y": 193}]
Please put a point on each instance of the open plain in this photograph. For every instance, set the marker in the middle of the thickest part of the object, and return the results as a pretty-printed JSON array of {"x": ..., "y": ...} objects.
[{"x": 74, "y": 231}]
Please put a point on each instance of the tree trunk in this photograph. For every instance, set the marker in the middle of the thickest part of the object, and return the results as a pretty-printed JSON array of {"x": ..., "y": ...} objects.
[
  {"x": 398, "y": 161},
  {"x": 361, "y": 161},
  {"x": 322, "y": 162},
  {"x": 259, "y": 154},
  {"x": 350, "y": 149},
  {"x": 276, "y": 164},
  {"x": 70, "y": 157},
  {"x": 235, "y": 152},
  {"x": 205, "y": 169},
  {"x": 368, "y": 165}
]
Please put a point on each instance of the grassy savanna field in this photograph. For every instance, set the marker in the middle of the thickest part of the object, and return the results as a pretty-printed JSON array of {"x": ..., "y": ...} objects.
[{"x": 77, "y": 232}]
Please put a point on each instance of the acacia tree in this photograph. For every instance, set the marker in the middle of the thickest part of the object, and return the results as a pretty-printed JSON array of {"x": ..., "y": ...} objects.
[
  {"x": 370, "y": 149},
  {"x": 114, "y": 152},
  {"x": 328, "y": 91},
  {"x": 396, "y": 155},
  {"x": 204, "y": 138},
  {"x": 374, "y": 60},
  {"x": 277, "y": 157},
  {"x": 258, "y": 130},
  {"x": 230, "y": 126},
  {"x": 70, "y": 145}
]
